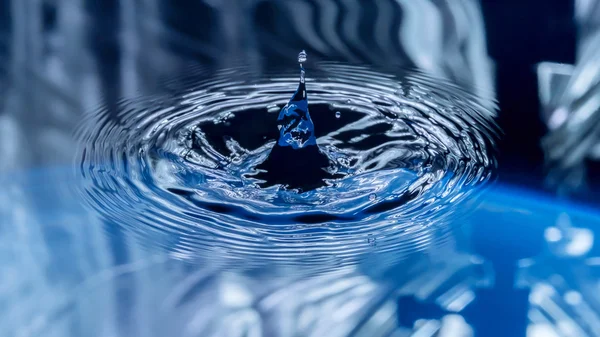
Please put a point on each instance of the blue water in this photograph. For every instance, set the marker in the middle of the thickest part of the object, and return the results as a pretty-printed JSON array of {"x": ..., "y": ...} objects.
[
  {"x": 174, "y": 221},
  {"x": 213, "y": 170},
  {"x": 227, "y": 209},
  {"x": 78, "y": 274},
  {"x": 180, "y": 217}
]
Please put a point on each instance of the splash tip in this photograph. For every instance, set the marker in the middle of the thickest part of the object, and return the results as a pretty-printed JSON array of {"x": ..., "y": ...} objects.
[{"x": 302, "y": 56}]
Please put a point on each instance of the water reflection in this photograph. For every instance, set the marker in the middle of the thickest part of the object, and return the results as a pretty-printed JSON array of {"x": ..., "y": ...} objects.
[{"x": 112, "y": 285}]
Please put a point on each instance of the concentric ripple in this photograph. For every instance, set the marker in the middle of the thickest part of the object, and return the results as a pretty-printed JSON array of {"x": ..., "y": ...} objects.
[{"x": 179, "y": 171}]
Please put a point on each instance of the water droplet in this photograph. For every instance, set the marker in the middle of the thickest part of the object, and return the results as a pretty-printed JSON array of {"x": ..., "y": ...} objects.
[
  {"x": 372, "y": 196},
  {"x": 338, "y": 114},
  {"x": 302, "y": 57},
  {"x": 349, "y": 101}
]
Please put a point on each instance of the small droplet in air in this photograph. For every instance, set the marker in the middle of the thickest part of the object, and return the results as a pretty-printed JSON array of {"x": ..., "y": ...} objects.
[
  {"x": 302, "y": 57},
  {"x": 338, "y": 114},
  {"x": 372, "y": 196}
]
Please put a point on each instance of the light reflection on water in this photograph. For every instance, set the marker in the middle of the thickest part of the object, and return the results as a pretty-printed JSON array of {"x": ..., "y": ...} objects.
[{"x": 63, "y": 276}]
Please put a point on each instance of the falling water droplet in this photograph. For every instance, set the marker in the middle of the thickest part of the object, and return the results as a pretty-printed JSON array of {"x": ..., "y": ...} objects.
[
  {"x": 338, "y": 114},
  {"x": 302, "y": 57}
]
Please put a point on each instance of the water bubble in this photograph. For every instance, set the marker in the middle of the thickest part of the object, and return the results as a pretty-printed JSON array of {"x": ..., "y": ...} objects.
[
  {"x": 338, "y": 114},
  {"x": 372, "y": 196}
]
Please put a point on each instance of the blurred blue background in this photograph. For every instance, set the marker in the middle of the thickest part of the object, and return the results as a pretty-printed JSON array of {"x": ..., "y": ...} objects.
[{"x": 524, "y": 264}]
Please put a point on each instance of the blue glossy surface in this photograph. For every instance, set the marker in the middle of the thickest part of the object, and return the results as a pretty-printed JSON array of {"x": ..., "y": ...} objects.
[{"x": 296, "y": 127}]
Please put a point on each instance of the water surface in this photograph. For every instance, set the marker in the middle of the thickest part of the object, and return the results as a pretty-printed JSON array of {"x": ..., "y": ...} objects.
[{"x": 407, "y": 153}]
